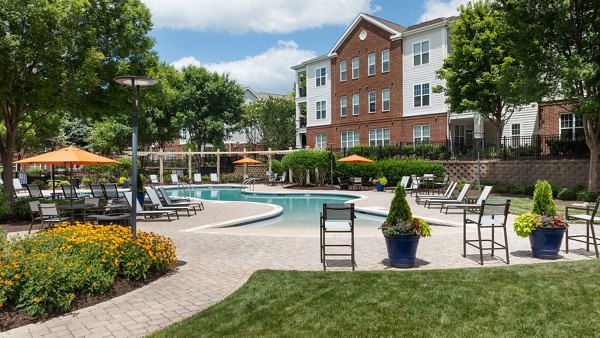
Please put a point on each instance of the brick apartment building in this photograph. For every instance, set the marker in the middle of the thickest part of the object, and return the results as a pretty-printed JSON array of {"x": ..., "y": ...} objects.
[{"x": 374, "y": 87}]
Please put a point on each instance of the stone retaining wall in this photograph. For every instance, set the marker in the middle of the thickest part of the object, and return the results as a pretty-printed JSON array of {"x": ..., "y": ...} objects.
[{"x": 564, "y": 173}]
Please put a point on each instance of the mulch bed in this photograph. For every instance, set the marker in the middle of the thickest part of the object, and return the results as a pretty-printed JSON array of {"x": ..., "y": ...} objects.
[{"x": 12, "y": 317}]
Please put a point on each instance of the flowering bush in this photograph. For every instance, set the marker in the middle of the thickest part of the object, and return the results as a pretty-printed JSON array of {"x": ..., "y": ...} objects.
[
  {"x": 416, "y": 226},
  {"x": 46, "y": 271},
  {"x": 553, "y": 221},
  {"x": 543, "y": 212}
]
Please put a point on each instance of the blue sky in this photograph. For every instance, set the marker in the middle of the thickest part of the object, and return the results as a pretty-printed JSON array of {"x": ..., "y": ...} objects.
[{"x": 257, "y": 41}]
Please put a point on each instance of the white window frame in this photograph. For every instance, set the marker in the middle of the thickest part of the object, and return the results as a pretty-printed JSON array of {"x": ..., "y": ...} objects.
[
  {"x": 355, "y": 104},
  {"x": 385, "y": 60},
  {"x": 419, "y": 54},
  {"x": 371, "y": 61},
  {"x": 379, "y": 137},
  {"x": 385, "y": 92},
  {"x": 420, "y": 95},
  {"x": 321, "y": 110},
  {"x": 372, "y": 102},
  {"x": 419, "y": 135},
  {"x": 575, "y": 121},
  {"x": 349, "y": 142},
  {"x": 320, "y": 76},
  {"x": 355, "y": 68},
  {"x": 343, "y": 71},
  {"x": 320, "y": 141},
  {"x": 343, "y": 106}
]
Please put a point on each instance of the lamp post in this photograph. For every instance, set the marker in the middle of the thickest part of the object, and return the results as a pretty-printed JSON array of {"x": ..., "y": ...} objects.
[{"x": 135, "y": 82}]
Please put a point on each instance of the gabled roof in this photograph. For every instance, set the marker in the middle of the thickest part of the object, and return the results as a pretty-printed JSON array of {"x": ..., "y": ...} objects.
[
  {"x": 429, "y": 24},
  {"x": 304, "y": 63},
  {"x": 393, "y": 28}
]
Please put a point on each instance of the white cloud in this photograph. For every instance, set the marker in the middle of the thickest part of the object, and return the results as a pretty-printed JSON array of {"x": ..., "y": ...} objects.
[
  {"x": 440, "y": 8},
  {"x": 266, "y": 72},
  {"x": 264, "y": 16}
]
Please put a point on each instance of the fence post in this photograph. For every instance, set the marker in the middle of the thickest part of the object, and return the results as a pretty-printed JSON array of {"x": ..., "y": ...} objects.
[
  {"x": 504, "y": 152},
  {"x": 218, "y": 166},
  {"x": 539, "y": 146}
]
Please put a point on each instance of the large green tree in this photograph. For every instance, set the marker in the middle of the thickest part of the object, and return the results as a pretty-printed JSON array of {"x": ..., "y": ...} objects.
[
  {"x": 62, "y": 55},
  {"x": 481, "y": 74},
  {"x": 558, "y": 42},
  {"x": 210, "y": 105},
  {"x": 271, "y": 122}
]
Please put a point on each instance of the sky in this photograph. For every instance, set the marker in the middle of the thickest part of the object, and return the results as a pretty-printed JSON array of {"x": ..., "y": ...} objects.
[{"x": 257, "y": 41}]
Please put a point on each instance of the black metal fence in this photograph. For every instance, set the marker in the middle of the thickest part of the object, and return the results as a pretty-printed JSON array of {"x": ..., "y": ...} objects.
[{"x": 536, "y": 147}]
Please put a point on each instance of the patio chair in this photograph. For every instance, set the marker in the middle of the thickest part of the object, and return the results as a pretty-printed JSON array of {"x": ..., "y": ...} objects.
[
  {"x": 97, "y": 191},
  {"x": 197, "y": 178},
  {"x": 159, "y": 206},
  {"x": 175, "y": 180},
  {"x": 443, "y": 184},
  {"x": 344, "y": 183},
  {"x": 110, "y": 191},
  {"x": 49, "y": 215},
  {"x": 446, "y": 195},
  {"x": 148, "y": 213},
  {"x": 214, "y": 177},
  {"x": 459, "y": 199},
  {"x": 281, "y": 179},
  {"x": 337, "y": 219},
  {"x": 35, "y": 191},
  {"x": 471, "y": 206},
  {"x": 69, "y": 192},
  {"x": 487, "y": 219},
  {"x": 171, "y": 201},
  {"x": 415, "y": 185},
  {"x": 356, "y": 183},
  {"x": 34, "y": 211},
  {"x": 590, "y": 233},
  {"x": 153, "y": 179}
]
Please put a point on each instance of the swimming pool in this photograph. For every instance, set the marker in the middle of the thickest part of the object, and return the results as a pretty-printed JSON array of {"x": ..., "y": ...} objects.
[{"x": 299, "y": 210}]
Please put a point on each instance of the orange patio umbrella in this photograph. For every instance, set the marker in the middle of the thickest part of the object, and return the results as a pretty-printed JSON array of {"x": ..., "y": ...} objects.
[
  {"x": 67, "y": 156},
  {"x": 245, "y": 161},
  {"x": 355, "y": 159}
]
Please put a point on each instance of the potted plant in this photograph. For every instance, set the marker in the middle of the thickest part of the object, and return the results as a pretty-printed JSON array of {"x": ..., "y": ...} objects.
[
  {"x": 402, "y": 231},
  {"x": 543, "y": 225},
  {"x": 141, "y": 194},
  {"x": 380, "y": 183}
]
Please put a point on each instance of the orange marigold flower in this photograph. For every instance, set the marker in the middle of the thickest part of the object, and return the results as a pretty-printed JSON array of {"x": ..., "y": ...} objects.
[{"x": 36, "y": 300}]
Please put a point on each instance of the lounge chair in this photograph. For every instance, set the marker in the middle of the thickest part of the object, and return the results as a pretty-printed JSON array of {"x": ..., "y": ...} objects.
[
  {"x": 470, "y": 206},
  {"x": 69, "y": 192},
  {"x": 197, "y": 178},
  {"x": 415, "y": 185},
  {"x": 281, "y": 179},
  {"x": 153, "y": 179},
  {"x": 17, "y": 186},
  {"x": 97, "y": 191},
  {"x": 459, "y": 199},
  {"x": 447, "y": 194},
  {"x": 344, "y": 183},
  {"x": 35, "y": 191},
  {"x": 159, "y": 206},
  {"x": 149, "y": 213},
  {"x": 110, "y": 191},
  {"x": 175, "y": 180},
  {"x": 170, "y": 201},
  {"x": 214, "y": 177}
]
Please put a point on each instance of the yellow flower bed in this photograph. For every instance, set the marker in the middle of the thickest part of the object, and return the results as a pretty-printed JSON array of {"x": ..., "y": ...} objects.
[{"x": 46, "y": 271}]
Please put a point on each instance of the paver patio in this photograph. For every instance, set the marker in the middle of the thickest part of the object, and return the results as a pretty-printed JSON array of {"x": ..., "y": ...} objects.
[{"x": 217, "y": 261}]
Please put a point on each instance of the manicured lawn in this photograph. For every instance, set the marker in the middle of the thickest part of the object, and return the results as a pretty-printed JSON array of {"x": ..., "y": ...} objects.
[
  {"x": 520, "y": 205},
  {"x": 552, "y": 299}
]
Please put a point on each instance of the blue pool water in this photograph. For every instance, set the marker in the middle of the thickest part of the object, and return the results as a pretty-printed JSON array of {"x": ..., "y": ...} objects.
[{"x": 299, "y": 210}]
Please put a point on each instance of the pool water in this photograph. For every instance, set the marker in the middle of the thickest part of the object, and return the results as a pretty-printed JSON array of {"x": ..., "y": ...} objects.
[{"x": 299, "y": 210}]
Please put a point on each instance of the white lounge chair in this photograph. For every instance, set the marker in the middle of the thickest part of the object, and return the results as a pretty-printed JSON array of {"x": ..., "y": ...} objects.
[
  {"x": 197, "y": 178},
  {"x": 171, "y": 201},
  {"x": 214, "y": 177},
  {"x": 447, "y": 194},
  {"x": 459, "y": 199},
  {"x": 415, "y": 185},
  {"x": 470, "y": 206},
  {"x": 153, "y": 179},
  {"x": 159, "y": 206},
  {"x": 149, "y": 213},
  {"x": 175, "y": 180}
]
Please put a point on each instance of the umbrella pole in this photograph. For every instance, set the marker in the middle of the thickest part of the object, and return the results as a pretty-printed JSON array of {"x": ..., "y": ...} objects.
[{"x": 53, "y": 183}]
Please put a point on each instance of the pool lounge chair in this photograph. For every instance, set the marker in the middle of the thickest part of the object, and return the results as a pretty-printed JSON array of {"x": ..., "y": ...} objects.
[
  {"x": 35, "y": 191},
  {"x": 153, "y": 179},
  {"x": 149, "y": 213},
  {"x": 214, "y": 177},
  {"x": 414, "y": 185},
  {"x": 69, "y": 192},
  {"x": 197, "y": 178},
  {"x": 470, "y": 206},
  {"x": 447, "y": 194},
  {"x": 459, "y": 199},
  {"x": 159, "y": 206},
  {"x": 110, "y": 191},
  {"x": 170, "y": 201},
  {"x": 175, "y": 180},
  {"x": 97, "y": 191}
]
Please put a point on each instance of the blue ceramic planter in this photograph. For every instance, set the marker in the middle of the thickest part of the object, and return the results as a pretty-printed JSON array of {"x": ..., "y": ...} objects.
[
  {"x": 141, "y": 196},
  {"x": 545, "y": 242},
  {"x": 379, "y": 186},
  {"x": 402, "y": 250}
]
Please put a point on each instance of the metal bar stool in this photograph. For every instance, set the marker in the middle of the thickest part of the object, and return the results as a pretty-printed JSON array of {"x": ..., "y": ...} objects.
[
  {"x": 590, "y": 234},
  {"x": 487, "y": 220},
  {"x": 337, "y": 218}
]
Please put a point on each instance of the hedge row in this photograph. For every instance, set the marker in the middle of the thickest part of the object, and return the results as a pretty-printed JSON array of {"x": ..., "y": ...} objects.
[{"x": 392, "y": 169}]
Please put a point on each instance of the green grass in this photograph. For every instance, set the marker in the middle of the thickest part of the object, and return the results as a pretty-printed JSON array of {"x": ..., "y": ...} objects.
[
  {"x": 521, "y": 205},
  {"x": 553, "y": 299}
]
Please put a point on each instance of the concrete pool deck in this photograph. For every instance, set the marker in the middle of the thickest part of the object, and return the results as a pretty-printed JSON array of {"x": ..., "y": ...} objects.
[{"x": 217, "y": 261}]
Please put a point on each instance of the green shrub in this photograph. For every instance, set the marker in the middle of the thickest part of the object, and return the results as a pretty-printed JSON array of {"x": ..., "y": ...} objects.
[
  {"x": 399, "y": 208},
  {"x": 392, "y": 169},
  {"x": 567, "y": 147},
  {"x": 314, "y": 161},
  {"x": 40, "y": 183},
  {"x": 567, "y": 194},
  {"x": 528, "y": 189},
  {"x": 36, "y": 171},
  {"x": 5, "y": 210},
  {"x": 555, "y": 190},
  {"x": 513, "y": 189},
  {"x": 587, "y": 196},
  {"x": 276, "y": 167},
  {"x": 543, "y": 204},
  {"x": 230, "y": 178},
  {"x": 507, "y": 188},
  {"x": 525, "y": 223}
]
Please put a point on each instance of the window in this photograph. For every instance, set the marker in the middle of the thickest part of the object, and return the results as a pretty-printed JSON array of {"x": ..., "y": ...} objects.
[
  {"x": 459, "y": 134},
  {"x": 355, "y": 104},
  {"x": 350, "y": 139},
  {"x": 355, "y": 68},
  {"x": 385, "y": 61},
  {"x": 172, "y": 155},
  {"x": 372, "y": 103},
  {"x": 571, "y": 126},
  {"x": 321, "y": 141},
  {"x": 320, "y": 76},
  {"x": 421, "y": 97},
  {"x": 343, "y": 106},
  {"x": 342, "y": 71},
  {"x": 379, "y": 137},
  {"x": 371, "y": 62},
  {"x": 515, "y": 132},
  {"x": 421, "y": 53},
  {"x": 421, "y": 134},
  {"x": 385, "y": 99},
  {"x": 321, "y": 110}
]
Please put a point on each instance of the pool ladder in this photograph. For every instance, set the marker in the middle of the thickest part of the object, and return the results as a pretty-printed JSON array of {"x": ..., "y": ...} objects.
[{"x": 249, "y": 183}]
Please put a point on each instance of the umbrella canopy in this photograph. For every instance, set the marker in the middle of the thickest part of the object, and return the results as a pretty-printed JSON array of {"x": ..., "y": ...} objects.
[
  {"x": 68, "y": 156},
  {"x": 355, "y": 159},
  {"x": 247, "y": 160}
]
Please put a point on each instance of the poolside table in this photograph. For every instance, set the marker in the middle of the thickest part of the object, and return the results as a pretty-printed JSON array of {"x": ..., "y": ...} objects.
[{"x": 83, "y": 207}]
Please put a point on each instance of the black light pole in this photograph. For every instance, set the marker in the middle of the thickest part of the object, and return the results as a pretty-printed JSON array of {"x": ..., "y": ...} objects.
[{"x": 135, "y": 82}]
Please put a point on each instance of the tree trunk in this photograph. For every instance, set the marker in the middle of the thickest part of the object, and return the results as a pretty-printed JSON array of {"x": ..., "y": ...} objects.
[
  {"x": 6, "y": 156},
  {"x": 593, "y": 173}
]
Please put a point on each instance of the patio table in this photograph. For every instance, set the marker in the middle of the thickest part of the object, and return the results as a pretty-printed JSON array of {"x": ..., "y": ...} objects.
[{"x": 83, "y": 207}]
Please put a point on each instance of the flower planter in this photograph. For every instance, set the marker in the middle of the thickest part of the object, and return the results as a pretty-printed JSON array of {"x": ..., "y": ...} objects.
[
  {"x": 402, "y": 250},
  {"x": 141, "y": 196},
  {"x": 545, "y": 242},
  {"x": 378, "y": 186}
]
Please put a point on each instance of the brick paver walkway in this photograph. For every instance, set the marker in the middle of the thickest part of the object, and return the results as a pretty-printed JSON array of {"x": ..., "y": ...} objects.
[{"x": 217, "y": 261}]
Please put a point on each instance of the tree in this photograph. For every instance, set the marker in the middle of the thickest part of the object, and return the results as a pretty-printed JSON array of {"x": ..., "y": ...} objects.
[
  {"x": 62, "y": 56},
  {"x": 110, "y": 137},
  {"x": 559, "y": 45},
  {"x": 77, "y": 130},
  {"x": 210, "y": 105},
  {"x": 271, "y": 122},
  {"x": 481, "y": 74}
]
